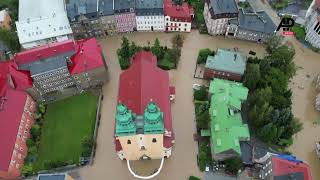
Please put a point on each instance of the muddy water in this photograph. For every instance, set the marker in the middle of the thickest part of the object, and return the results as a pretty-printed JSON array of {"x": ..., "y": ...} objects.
[
  {"x": 182, "y": 163},
  {"x": 303, "y": 106}
]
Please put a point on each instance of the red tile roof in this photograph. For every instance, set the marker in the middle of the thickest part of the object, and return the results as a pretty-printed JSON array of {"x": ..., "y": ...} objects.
[
  {"x": 87, "y": 57},
  {"x": 144, "y": 82},
  {"x": 46, "y": 51},
  {"x": 182, "y": 12},
  {"x": 13, "y": 102},
  {"x": 284, "y": 167}
]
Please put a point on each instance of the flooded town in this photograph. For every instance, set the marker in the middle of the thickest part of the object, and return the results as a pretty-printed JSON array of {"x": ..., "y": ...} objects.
[{"x": 159, "y": 89}]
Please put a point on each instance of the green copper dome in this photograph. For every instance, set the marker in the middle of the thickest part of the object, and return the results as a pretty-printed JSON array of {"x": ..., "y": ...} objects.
[
  {"x": 124, "y": 121},
  {"x": 153, "y": 118}
]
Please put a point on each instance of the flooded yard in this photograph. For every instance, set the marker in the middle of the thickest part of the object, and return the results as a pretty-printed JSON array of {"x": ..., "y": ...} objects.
[{"x": 182, "y": 163}]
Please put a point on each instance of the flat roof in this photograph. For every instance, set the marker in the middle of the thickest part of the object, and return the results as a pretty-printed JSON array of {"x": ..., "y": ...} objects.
[
  {"x": 228, "y": 61},
  {"x": 227, "y": 129}
]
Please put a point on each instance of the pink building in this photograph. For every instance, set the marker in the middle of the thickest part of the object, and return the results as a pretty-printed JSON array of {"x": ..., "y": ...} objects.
[{"x": 125, "y": 15}]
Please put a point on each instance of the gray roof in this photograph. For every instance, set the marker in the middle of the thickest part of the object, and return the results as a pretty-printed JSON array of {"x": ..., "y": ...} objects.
[
  {"x": 224, "y": 6},
  {"x": 293, "y": 176},
  {"x": 123, "y": 5},
  {"x": 51, "y": 177},
  {"x": 85, "y": 7},
  {"x": 149, "y": 7},
  {"x": 106, "y": 7},
  {"x": 260, "y": 22}
]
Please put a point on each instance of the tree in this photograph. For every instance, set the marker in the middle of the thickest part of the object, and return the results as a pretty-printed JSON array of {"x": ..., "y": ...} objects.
[
  {"x": 42, "y": 108},
  {"x": 124, "y": 53},
  {"x": 273, "y": 43},
  {"x": 10, "y": 38},
  {"x": 35, "y": 132},
  {"x": 268, "y": 133},
  {"x": 194, "y": 178},
  {"x": 177, "y": 41},
  {"x": 201, "y": 94},
  {"x": 259, "y": 115},
  {"x": 252, "y": 76},
  {"x": 203, "y": 55},
  {"x": 87, "y": 144},
  {"x": 156, "y": 48},
  {"x": 30, "y": 143},
  {"x": 203, "y": 120},
  {"x": 203, "y": 158},
  {"x": 27, "y": 170},
  {"x": 233, "y": 165}
]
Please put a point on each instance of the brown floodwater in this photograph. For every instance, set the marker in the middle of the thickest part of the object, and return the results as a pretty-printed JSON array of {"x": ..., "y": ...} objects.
[{"x": 182, "y": 163}]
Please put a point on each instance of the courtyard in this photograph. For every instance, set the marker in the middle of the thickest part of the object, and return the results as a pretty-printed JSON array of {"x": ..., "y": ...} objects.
[{"x": 66, "y": 123}]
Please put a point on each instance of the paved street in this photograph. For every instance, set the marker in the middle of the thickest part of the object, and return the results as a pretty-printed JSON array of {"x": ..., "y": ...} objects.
[{"x": 182, "y": 163}]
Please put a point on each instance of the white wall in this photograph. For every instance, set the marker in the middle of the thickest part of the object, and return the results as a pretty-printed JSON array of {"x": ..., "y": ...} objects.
[
  {"x": 145, "y": 23},
  {"x": 214, "y": 26},
  {"x": 177, "y": 26}
]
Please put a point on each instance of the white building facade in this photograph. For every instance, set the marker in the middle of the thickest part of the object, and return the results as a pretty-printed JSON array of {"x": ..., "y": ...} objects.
[
  {"x": 149, "y": 15},
  {"x": 313, "y": 24},
  {"x": 45, "y": 24}
]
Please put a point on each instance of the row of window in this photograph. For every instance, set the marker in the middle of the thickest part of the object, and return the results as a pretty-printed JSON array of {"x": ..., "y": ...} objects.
[
  {"x": 149, "y": 22},
  {"x": 317, "y": 28},
  {"x": 150, "y": 17},
  {"x": 54, "y": 78},
  {"x": 59, "y": 87},
  {"x": 51, "y": 74},
  {"x": 150, "y": 27},
  {"x": 221, "y": 73},
  {"x": 57, "y": 83},
  {"x": 154, "y": 140},
  {"x": 177, "y": 24}
]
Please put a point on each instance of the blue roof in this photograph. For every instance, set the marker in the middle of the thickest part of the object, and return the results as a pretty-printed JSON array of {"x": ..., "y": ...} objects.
[
  {"x": 51, "y": 177},
  {"x": 106, "y": 7},
  {"x": 224, "y": 6},
  {"x": 86, "y": 7}
]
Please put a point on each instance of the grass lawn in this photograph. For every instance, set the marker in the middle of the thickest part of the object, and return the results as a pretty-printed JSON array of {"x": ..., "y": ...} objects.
[
  {"x": 299, "y": 32},
  {"x": 198, "y": 6},
  {"x": 166, "y": 64},
  {"x": 66, "y": 123},
  {"x": 280, "y": 4}
]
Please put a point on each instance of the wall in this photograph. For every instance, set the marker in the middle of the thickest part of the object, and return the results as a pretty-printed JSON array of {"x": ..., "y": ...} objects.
[
  {"x": 252, "y": 35},
  {"x": 214, "y": 26},
  {"x": 86, "y": 28},
  {"x": 177, "y": 26},
  {"x": 126, "y": 22},
  {"x": 133, "y": 151},
  {"x": 150, "y": 23},
  {"x": 108, "y": 24},
  {"x": 211, "y": 73}
]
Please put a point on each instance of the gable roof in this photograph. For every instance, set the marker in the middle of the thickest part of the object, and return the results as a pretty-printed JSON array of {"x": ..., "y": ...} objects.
[
  {"x": 106, "y": 7},
  {"x": 75, "y": 8},
  {"x": 259, "y": 21},
  {"x": 228, "y": 61},
  {"x": 149, "y": 7},
  {"x": 227, "y": 129},
  {"x": 144, "y": 82},
  {"x": 122, "y": 5},
  {"x": 183, "y": 11},
  {"x": 224, "y": 6},
  {"x": 12, "y": 102}
]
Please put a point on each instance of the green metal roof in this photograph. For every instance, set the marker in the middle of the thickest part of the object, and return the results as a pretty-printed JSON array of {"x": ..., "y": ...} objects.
[
  {"x": 227, "y": 61},
  {"x": 226, "y": 125}
]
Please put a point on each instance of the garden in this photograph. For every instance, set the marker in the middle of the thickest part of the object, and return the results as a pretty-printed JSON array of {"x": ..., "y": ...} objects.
[
  {"x": 61, "y": 134},
  {"x": 167, "y": 58},
  {"x": 279, "y": 4},
  {"x": 198, "y": 6}
]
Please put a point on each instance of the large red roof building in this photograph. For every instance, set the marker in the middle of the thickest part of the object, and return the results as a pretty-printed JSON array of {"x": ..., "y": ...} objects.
[
  {"x": 178, "y": 17},
  {"x": 16, "y": 111},
  {"x": 144, "y": 87}
]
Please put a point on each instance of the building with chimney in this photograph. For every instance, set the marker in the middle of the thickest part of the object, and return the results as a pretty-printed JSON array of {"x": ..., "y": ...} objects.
[
  {"x": 125, "y": 16},
  {"x": 225, "y": 64},
  {"x": 60, "y": 70},
  {"x": 107, "y": 18},
  {"x": 17, "y": 110},
  {"x": 143, "y": 123},
  {"x": 83, "y": 17},
  {"x": 252, "y": 26},
  {"x": 217, "y": 14},
  {"x": 149, "y": 15},
  {"x": 226, "y": 127},
  {"x": 45, "y": 24},
  {"x": 178, "y": 17},
  {"x": 278, "y": 167},
  {"x": 312, "y": 24}
]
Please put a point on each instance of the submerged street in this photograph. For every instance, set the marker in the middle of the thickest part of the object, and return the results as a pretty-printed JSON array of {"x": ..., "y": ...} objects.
[{"x": 183, "y": 162}]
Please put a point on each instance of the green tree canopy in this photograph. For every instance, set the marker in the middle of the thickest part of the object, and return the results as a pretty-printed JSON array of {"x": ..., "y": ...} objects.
[{"x": 252, "y": 76}]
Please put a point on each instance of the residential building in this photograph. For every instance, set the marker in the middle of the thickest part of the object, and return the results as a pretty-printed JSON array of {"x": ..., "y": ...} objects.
[
  {"x": 17, "y": 110},
  {"x": 149, "y": 15},
  {"x": 313, "y": 24},
  {"x": 45, "y": 24},
  {"x": 54, "y": 177},
  {"x": 63, "y": 69},
  {"x": 217, "y": 14},
  {"x": 178, "y": 17},
  {"x": 125, "y": 15},
  {"x": 225, "y": 64},
  {"x": 83, "y": 17},
  {"x": 5, "y": 19},
  {"x": 143, "y": 123},
  {"x": 278, "y": 167},
  {"x": 252, "y": 26},
  {"x": 106, "y": 16},
  {"x": 227, "y": 129}
]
